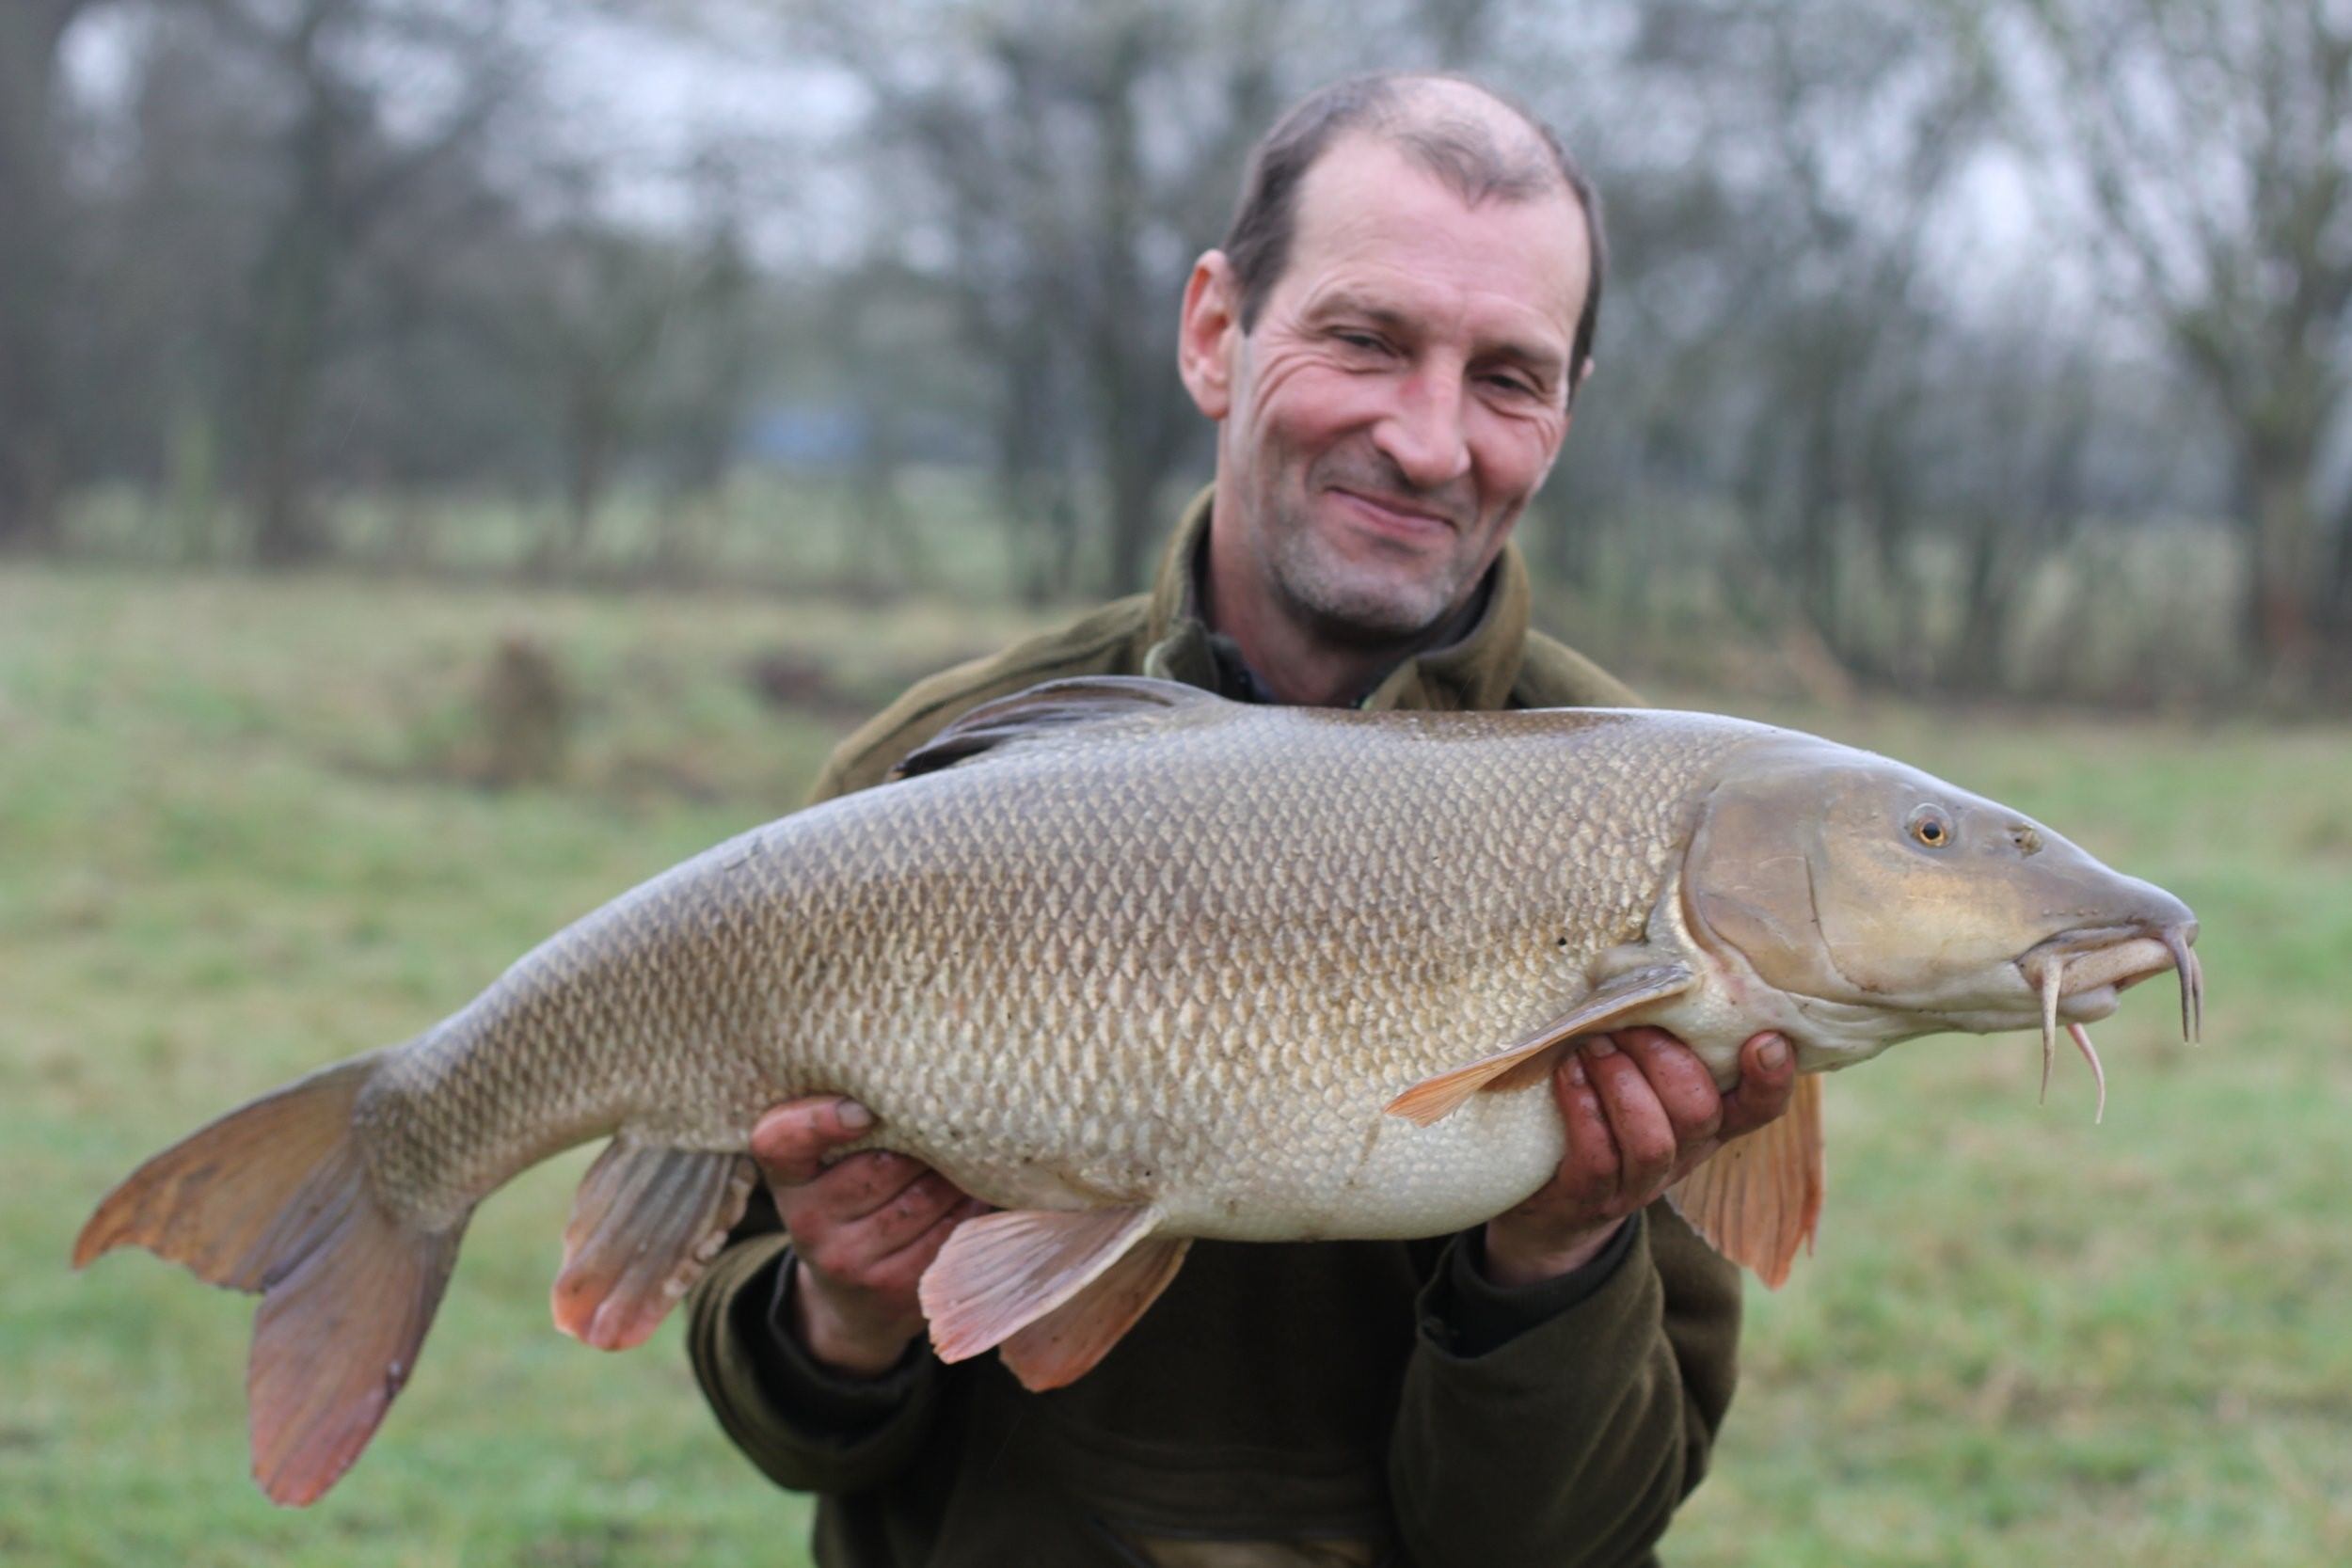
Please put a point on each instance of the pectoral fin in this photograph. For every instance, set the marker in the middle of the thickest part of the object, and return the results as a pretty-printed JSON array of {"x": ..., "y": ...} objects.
[
  {"x": 1611, "y": 1005},
  {"x": 1002, "y": 1273},
  {"x": 1758, "y": 1198}
]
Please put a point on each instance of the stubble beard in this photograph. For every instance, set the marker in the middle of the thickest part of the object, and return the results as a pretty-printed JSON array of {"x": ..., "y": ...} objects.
[{"x": 1352, "y": 602}]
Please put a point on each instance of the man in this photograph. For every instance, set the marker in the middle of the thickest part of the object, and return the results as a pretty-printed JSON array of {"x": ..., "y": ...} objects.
[{"x": 1390, "y": 344}]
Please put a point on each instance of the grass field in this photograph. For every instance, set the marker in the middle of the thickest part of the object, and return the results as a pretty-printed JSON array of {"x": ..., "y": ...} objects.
[{"x": 236, "y": 841}]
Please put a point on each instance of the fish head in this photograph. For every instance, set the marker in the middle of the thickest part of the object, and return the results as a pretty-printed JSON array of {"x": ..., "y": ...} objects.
[{"x": 1888, "y": 904}]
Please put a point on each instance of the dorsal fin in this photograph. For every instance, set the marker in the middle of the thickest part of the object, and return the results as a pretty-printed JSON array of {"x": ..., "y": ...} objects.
[{"x": 1050, "y": 708}]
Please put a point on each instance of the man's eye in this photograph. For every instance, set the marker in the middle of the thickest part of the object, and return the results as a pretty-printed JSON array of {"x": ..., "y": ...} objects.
[{"x": 1361, "y": 340}]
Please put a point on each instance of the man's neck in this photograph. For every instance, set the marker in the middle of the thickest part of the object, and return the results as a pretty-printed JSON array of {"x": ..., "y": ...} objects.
[{"x": 1297, "y": 666}]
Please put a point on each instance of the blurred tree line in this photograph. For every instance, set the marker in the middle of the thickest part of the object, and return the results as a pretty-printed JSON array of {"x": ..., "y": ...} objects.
[{"x": 1929, "y": 329}]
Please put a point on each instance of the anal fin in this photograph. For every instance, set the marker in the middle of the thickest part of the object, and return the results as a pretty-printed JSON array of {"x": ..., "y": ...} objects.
[
  {"x": 646, "y": 1222},
  {"x": 1758, "y": 1198},
  {"x": 1611, "y": 1005},
  {"x": 1001, "y": 1273},
  {"x": 1064, "y": 1345}
]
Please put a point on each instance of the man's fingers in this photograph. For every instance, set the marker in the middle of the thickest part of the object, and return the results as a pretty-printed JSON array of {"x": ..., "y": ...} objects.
[
  {"x": 1768, "y": 1075},
  {"x": 854, "y": 1188},
  {"x": 790, "y": 1142},
  {"x": 1592, "y": 1164},
  {"x": 907, "y": 1212},
  {"x": 851, "y": 1250},
  {"x": 1646, "y": 1136},
  {"x": 902, "y": 1269},
  {"x": 1685, "y": 1088}
]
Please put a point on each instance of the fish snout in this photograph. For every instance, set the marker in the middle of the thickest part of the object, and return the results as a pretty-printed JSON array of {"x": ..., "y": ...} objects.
[{"x": 2080, "y": 973}]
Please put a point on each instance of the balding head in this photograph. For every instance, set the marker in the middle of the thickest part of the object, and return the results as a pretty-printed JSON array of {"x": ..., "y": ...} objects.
[{"x": 1479, "y": 143}]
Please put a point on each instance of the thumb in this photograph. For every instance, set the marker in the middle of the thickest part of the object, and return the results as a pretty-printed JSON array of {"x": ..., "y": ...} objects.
[
  {"x": 792, "y": 1141},
  {"x": 1768, "y": 1075}
]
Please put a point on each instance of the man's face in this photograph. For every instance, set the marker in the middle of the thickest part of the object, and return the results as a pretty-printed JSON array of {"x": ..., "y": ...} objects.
[{"x": 1402, "y": 394}]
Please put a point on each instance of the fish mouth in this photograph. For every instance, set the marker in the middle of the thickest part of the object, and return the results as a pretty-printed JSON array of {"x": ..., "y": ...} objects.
[{"x": 2079, "y": 975}]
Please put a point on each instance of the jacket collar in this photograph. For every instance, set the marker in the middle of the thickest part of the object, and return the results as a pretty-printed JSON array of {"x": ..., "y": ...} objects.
[{"x": 1475, "y": 670}]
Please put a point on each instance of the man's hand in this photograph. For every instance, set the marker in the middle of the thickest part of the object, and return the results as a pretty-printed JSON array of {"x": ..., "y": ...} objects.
[
  {"x": 1642, "y": 1111},
  {"x": 864, "y": 1229}
]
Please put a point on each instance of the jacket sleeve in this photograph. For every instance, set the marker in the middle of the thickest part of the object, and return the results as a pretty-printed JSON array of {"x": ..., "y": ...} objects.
[
  {"x": 806, "y": 1428},
  {"x": 1569, "y": 1443}
]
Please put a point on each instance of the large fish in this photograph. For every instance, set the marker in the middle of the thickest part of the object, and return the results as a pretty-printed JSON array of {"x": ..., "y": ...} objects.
[{"x": 1137, "y": 964}]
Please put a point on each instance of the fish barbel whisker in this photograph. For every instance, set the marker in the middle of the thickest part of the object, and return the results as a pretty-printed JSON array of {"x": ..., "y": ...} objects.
[
  {"x": 2190, "y": 971},
  {"x": 2197, "y": 977},
  {"x": 2082, "y": 1043},
  {"x": 2053, "y": 977},
  {"x": 2117, "y": 963}
]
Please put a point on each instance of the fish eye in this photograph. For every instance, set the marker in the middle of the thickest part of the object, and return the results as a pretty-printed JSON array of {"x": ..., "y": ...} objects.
[{"x": 1930, "y": 827}]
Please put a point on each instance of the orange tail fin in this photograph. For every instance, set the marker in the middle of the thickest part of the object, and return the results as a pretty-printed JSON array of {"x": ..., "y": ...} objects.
[{"x": 274, "y": 1197}]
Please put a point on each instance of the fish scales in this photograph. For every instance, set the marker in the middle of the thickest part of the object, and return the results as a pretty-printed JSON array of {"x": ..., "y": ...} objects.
[
  {"x": 1289, "y": 973},
  {"x": 1093, "y": 970}
]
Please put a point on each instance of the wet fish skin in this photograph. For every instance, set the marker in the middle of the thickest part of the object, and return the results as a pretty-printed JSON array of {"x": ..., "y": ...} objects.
[
  {"x": 1145, "y": 954},
  {"x": 1117, "y": 953}
]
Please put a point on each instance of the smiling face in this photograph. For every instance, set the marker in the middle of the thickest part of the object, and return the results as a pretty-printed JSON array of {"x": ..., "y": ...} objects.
[{"x": 1401, "y": 395}]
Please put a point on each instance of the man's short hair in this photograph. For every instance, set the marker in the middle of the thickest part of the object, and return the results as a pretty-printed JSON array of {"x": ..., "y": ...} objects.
[{"x": 1460, "y": 151}]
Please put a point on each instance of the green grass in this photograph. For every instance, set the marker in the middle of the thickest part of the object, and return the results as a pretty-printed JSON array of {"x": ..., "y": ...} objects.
[
  {"x": 797, "y": 531},
  {"x": 235, "y": 843}
]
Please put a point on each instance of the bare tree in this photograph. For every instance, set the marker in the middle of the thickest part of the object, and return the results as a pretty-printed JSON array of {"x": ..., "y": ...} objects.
[
  {"x": 594, "y": 325},
  {"x": 31, "y": 461},
  {"x": 345, "y": 172},
  {"x": 2210, "y": 144},
  {"x": 704, "y": 406},
  {"x": 1783, "y": 274},
  {"x": 2339, "y": 611},
  {"x": 1040, "y": 160},
  {"x": 2034, "y": 406}
]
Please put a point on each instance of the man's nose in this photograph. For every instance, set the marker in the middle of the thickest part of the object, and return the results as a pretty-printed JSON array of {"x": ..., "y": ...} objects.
[{"x": 1422, "y": 433}]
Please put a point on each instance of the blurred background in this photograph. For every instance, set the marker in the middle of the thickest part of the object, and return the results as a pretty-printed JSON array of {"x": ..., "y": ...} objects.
[{"x": 458, "y": 457}]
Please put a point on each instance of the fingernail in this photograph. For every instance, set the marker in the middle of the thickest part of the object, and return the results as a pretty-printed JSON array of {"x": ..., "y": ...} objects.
[
  {"x": 1772, "y": 1053},
  {"x": 1576, "y": 1070},
  {"x": 1599, "y": 1049},
  {"x": 853, "y": 1115}
]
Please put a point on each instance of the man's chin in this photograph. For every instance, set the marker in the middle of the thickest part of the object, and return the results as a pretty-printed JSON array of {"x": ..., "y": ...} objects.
[{"x": 1367, "y": 606}]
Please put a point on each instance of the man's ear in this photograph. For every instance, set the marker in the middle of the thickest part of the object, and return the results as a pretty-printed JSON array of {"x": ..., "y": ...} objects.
[{"x": 1209, "y": 334}]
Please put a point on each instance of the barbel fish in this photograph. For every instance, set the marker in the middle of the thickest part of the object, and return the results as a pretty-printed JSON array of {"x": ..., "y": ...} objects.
[{"x": 1136, "y": 965}]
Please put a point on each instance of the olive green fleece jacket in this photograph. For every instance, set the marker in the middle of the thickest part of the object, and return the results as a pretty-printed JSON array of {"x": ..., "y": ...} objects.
[{"x": 1339, "y": 1403}]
